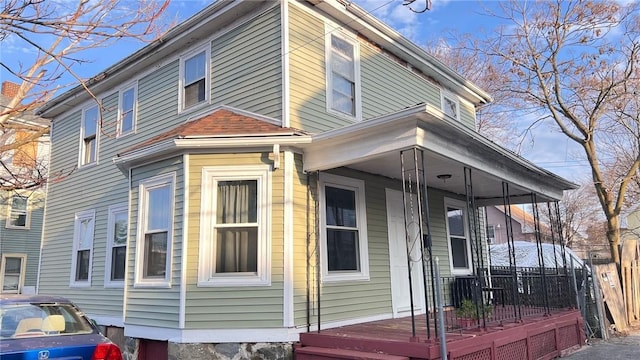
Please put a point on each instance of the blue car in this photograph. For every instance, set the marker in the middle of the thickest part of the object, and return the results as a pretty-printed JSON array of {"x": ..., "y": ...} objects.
[{"x": 36, "y": 327}]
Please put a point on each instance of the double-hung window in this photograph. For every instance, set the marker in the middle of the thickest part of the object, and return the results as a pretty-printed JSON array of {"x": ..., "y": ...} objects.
[
  {"x": 89, "y": 145},
  {"x": 459, "y": 246},
  {"x": 344, "y": 229},
  {"x": 343, "y": 75},
  {"x": 235, "y": 226},
  {"x": 153, "y": 265},
  {"x": 84, "y": 225},
  {"x": 450, "y": 105},
  {"x": 195, "y": 78},
  {"x": 127, "y": 113},
  {"x": 12, "y": 271},
  {"x": 18, "y": 212},
  {"x": 117, "y": 232}
]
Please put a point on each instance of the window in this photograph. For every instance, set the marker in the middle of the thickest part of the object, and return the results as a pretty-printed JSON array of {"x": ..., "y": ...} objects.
[
  {"x": 12, "y": 271},
  {"x": 491, "y": 234},
  {"x": 235, "y": 226},
  {"x": 459, "y": 250},
  {"x": 450, "y": 105},
  {"x": 155, "y": 226},
  {"x": 343, "y": 75},
  {"x": 195, "y": 78},
  {"x": 89, "y": 146},
  {"x": 344, "y": 229},
  {"x": 127, "y": 119},
  {"x": 18, "y": 212},
  {"x": 82, "y": 248},
  {"x": 117, "y": 231}
]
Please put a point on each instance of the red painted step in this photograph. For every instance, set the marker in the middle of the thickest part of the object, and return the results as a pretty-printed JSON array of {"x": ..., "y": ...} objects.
[{"x": 318, "y": 353}]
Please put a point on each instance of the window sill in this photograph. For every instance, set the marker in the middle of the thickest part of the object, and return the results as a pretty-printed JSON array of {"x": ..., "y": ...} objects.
[
  {"x": 17, "y": 227},
  {"x": 342, "y": 277},
  {"x": 80, "y": 285},
  {"x": 114, "y": 285},
  {"x": 152, "y": 284},
  {"x": 235, "y": 281}
]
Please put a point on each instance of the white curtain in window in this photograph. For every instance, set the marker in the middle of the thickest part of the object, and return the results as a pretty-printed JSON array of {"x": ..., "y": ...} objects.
[{"x": 236, "y": 248}]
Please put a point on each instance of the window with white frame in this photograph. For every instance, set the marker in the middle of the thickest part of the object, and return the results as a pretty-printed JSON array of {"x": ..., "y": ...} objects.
[
  {"x": 12, "y": 271},
  {"x": 117, "y": 232},
  {"x": 235, "y": 226},
  {"x": 457, "y": 234},
  {"x": 83, "y": 233},
  {"x": 89, "y": 145},
  {"x": 18, "y": 212},
  {"x": 343, "y": 75},
  {"x": 195, "y": 78},
  {"x": 450, "y": 105},
  {"x": 153, "y": 265},
  {"x": 127, "y": 113},
  {"x": 491, "y": 234},
  {"x": 343, "y": 229}
]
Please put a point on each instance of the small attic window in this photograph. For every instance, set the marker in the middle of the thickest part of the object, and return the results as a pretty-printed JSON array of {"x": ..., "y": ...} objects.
[{"x": 450, "y": 105}]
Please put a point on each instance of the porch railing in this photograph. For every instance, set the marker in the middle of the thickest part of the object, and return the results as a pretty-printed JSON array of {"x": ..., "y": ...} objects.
[{"x": 503, "y": 294}]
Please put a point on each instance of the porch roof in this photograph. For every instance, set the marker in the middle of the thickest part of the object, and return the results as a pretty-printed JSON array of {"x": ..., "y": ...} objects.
[{"x": 374, "y": 146}]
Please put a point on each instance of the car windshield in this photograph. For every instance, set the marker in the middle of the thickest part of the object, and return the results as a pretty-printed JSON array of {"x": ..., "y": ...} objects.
[{"x": 37, "y": 320}]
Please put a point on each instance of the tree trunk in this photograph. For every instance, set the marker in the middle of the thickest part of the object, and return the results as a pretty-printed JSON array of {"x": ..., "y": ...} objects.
[{"x": 613, "y": 235}]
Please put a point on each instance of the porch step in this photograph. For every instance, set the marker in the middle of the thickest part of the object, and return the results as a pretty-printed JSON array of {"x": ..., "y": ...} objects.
[{"x": 318, "y": 353}]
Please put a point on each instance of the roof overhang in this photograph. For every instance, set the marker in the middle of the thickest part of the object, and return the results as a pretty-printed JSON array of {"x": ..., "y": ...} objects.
[
  {"x": 175, "y": 146},
  {"x": 375, "y": 145}
]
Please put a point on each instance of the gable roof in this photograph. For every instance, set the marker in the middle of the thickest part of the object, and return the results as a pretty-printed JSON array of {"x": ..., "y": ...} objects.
[
  {"x": 523, "y": 218},
  {"x": 215, "y": 129}
]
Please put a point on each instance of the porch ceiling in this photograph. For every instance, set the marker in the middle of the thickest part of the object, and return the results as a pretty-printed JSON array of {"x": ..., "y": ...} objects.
[{"x": 374, "y": 146}]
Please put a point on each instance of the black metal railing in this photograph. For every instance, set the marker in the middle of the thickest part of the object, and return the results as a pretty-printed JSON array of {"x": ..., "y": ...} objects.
[{"x": 506, "y": 294}]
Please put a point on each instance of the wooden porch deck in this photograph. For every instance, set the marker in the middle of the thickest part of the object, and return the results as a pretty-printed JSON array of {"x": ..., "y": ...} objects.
[{"x": 536, "y": 337}]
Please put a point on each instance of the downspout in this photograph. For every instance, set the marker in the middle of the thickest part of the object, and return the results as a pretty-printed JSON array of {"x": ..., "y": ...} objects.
[{"x": 308, "y": 257}]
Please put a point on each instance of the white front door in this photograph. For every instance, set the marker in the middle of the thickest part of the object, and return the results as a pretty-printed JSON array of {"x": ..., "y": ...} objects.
[{"x": 398, "y": 257}]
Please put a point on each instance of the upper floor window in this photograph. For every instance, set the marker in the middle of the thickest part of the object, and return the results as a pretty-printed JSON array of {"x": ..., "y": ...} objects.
[
  {"x": 459, "y": 245},
  {"x": 117, "y": 231},
  {"x": 127, "y": 118},
  {"x": 450, "y": 105},
  {"x": 343, "y": 229},
  {"x": 84, "y": 225},
  {"x": 343, "y": 75},
  {"x": 195, "y": 78},
  {"x": 89, "y": 145},
  {"x": 153, "y": 262},
  {"x": 235, "y": 223},
  {"x": 18, "y": 212}
]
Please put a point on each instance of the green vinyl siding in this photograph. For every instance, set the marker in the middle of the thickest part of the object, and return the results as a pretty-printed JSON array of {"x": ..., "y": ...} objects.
[
  {"x": 387, "y": 85},
  {"x": 24, "y": 241},
  {"x": 156, "y": 306},
  {"x": 234, "y": 307},
  {"x": 247, "y": 66}
]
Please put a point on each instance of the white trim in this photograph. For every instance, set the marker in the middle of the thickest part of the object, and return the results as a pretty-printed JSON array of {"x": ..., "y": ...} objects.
[
  {"x": 210, "y": 176},
  {"x": 447, "y": 95},
  {"x": 288, "y": 238},
  {"x": 27, "y": 220},
  {"x": 339, "y": 32},
  {"x": 357, "y": 186},
  {"x": 286, "y": 76},
  {"x": 250, "y": 335},
  {"x": 156, "y": 181},
  {"x": 108, "y": 283},
  {"x": 185, "y": 244},
  {"x": 21, "y": 275},
  {"x": 79, "y": 216},
  {"x": 206, "y": 48},
  {"x": 458, "y": 204},
  {"x": 132, "y": 85},
  {"x": 103, "y": 320},
  {"x": 127, "y": 282}
]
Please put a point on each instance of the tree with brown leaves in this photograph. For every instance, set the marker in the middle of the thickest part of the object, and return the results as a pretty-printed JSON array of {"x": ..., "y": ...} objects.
[{"x": 56, "y": 36}]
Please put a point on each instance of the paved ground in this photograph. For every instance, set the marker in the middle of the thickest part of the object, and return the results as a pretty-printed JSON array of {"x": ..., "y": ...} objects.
[{"x": 616, "y": 348}]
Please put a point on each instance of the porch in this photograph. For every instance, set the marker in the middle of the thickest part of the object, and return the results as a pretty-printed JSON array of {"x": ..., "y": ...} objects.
[
  {"x": 517, "y": 313},
  {"x": 536, "y": 336}
]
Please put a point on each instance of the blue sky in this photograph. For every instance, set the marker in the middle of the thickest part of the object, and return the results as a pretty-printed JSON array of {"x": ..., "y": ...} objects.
[{"x": 548, "y": 149}]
